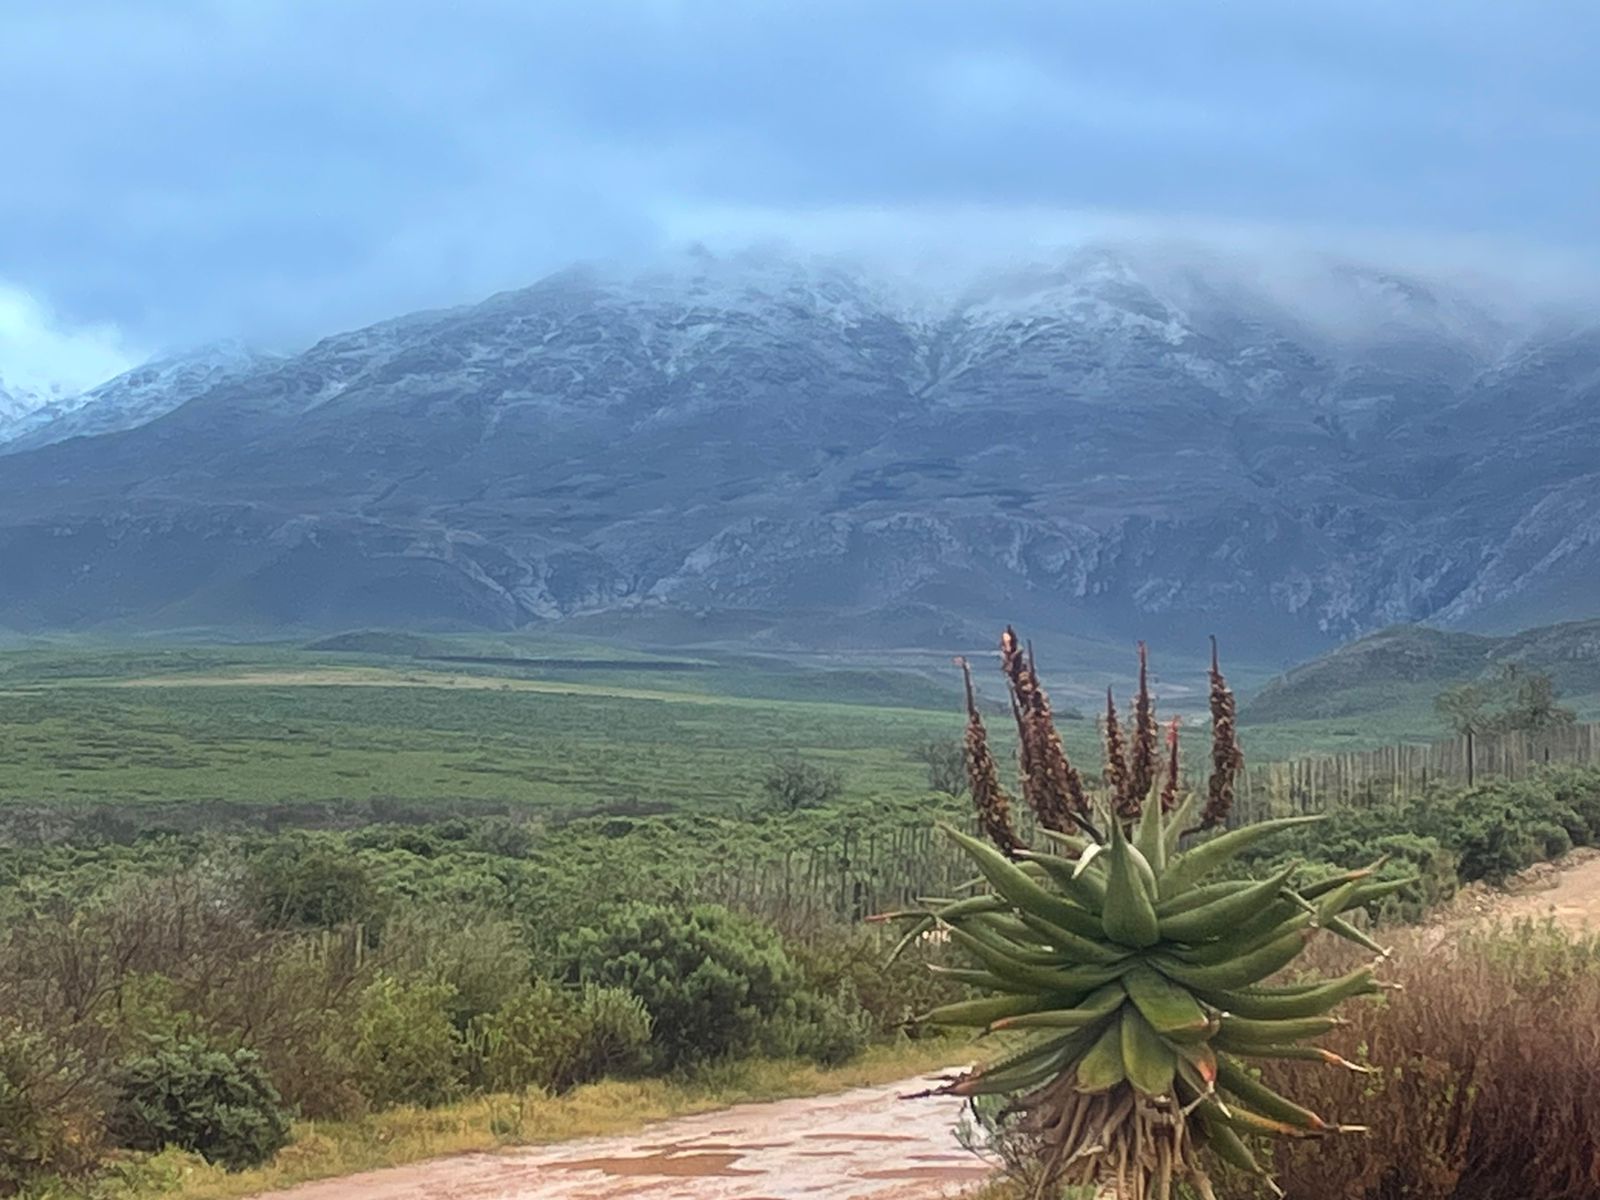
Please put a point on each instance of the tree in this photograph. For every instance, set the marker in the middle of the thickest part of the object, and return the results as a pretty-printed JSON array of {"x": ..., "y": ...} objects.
[
  {"x": 791, "y": 783},
  {"x": 1532, "y": 706},
  {"x": 1467, "y": 708},
  {"x": 1514, "y": 701},
  {"x": 946, "y": 761}
]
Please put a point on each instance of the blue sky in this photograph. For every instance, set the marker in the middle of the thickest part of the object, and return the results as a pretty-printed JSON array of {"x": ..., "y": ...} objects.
[{"x": 181, "y": 170}]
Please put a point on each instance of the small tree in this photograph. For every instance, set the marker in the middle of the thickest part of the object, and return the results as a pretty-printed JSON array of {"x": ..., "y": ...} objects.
[
  {"x": 1531, "y": 707},
  {"x": 946, "y": 761},
  {"x": 792, "y": 783},
  {"x": 1467, "y": 708}
]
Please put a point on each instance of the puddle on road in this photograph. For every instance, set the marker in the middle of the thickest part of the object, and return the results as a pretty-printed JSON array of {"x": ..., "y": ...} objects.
[
  {"x": 692, "y": 1147},
  {"x": 677, "y": 1166},
  {"x": 931, "y": 1174}
]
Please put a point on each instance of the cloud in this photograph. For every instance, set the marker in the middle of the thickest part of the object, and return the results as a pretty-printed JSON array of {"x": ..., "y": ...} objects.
[
  {"x": 282, "y": 168},
  {"x": 44, "y": 356}
]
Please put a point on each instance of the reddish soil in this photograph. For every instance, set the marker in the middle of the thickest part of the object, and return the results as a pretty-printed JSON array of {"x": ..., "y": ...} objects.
[{"x": 866, "y": 1144}]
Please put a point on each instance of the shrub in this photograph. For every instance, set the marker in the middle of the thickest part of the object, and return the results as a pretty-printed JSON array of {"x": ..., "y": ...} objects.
[
  {"x": 1489, "y": 1057},
  {"x": 556, "y": 1038},
  {"x": 219, "y": 1104},
  {"x": 295, "y": 886},
  {"x": 1578, "y": 789},
  {"x": 49, "y": 1110},
  {"x": 483, "y": 961},
  {"x": 403, "y": 1048},
  {"x": 829, "y": 1029},
  {"x": 851, "y": 962},
  {"x": 946, "y": 763},
  {"x": 710, "y": 980},
  {"x": 792, "y": 783},
  {"x": 1500, "y": 828}
]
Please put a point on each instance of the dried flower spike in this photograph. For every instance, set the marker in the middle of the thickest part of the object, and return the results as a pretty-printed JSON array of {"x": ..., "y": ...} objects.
[
  {"x": 1143, "y": 764},
  {"x": 1227, "y": 759},
  {"x": 1118, "y": 782},
  {"x": 1050, "y": 783},
  {"x": 1169, "y": 787},
  {"x": 993, "y": 805}
]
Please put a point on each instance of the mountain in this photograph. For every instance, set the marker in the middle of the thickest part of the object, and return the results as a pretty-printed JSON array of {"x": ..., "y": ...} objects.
[
  {"x": 1105, "y": 444},
  {"x": 132, "y": 399},
  {"x": 1422, "y": 662},
  {"x": 18, "y": 402}
]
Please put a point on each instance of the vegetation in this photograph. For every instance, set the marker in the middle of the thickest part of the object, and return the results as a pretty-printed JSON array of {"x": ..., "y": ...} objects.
[
  {"x": 154, "y": 995},
  {"x": 217, "y": 1103},
  {"x": 1448, "y": 837},
  {"x": 1133, "y": 979},
  {"x": 261, "y": 736},
  {"x": 1514, "y": 701},
  {"x": 1481, "y": 1079},
  {"x": 714, "y": 984},
  {"x": 400, "y": 968},
  {"x": 792, "y": 783},
  {"x": 946, "y": 763}
]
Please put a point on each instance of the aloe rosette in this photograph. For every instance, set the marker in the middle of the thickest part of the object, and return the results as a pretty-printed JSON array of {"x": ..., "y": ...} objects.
[{"x": 1131, "y": 975}]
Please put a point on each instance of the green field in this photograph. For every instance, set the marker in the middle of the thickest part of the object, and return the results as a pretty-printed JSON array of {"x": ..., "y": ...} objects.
[
  {"x": 533, "y": 724},
  {"x": 269, "y": 726}
]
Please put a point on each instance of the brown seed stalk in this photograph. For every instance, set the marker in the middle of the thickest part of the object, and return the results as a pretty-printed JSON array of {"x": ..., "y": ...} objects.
[
  {"x": 1050, "y": 783},
  {"x": 1227, "y": 758},
  {"x": 994, "y": 806},
  {"x": 1143, "y": 764},
  {"x": 1169, "y": 787},
  {"x": 1118, "y": 780}
]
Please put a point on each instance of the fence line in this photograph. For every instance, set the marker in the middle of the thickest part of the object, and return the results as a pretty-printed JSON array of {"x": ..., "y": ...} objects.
[
  {"x": 1398, "y": 773},
  {"x": 858, "y": 871}
]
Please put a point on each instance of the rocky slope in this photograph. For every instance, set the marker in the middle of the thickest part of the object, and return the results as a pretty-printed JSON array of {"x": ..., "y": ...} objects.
[{"x": 770, "y": 444}]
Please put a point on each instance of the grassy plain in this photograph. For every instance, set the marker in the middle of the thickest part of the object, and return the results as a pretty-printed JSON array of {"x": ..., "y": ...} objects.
[
  {"x": 274, "y": 725},
  {"x": 382, "y": 719}
]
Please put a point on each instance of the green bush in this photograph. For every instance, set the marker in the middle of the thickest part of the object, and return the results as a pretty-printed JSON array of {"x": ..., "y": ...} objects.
[
  {"x": 1500, "y": 828},
  {"x": 1454, "y": 835},
  {"x": 219, "y": 1104},
  {"x": 829, "y": 1029},
  {"x": 483, "y": 960},
  {"x": 555, "y": 1037},
  {"x": 403, "y": 1047},
  {"x": 299, "y": 886},
  {"x": 49, "y": 1110},
  {"x": 711, "y": 981},
  {"x": 1578, "y": 789}
]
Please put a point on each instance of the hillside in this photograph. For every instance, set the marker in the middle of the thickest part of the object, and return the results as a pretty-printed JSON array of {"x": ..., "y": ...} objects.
[
  {"x": 800, "y": 453},
  {"x": 1409, "y": 665}
]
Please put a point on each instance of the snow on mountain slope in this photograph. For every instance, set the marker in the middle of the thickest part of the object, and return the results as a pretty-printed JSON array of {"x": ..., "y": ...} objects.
[
  {"x": 1099, "y": 440},
  {"x": 130, "y": 400}
]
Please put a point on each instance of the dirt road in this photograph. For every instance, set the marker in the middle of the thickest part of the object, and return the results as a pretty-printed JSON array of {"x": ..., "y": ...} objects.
[
  {"x": 1567, "y": 891},
  {"x": 866, "y": 1144}
]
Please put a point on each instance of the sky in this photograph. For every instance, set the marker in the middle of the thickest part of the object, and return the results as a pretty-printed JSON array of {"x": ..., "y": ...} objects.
[{"x": 178, "y": 171}]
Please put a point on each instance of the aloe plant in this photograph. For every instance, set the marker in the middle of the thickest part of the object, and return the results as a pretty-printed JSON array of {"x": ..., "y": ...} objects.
[{"x": 1129, "y": 967}]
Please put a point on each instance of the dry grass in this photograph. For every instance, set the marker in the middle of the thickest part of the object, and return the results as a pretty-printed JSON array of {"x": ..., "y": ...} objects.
[
  {"x": 1487, "y": 1089},
  {"x": 327, "y": 1149}
]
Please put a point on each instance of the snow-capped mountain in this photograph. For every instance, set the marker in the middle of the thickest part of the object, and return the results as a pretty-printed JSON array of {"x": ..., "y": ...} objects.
[
  {"x": 131, "y": 399},
  {"x": 18, "y": 403},
  {"x": 1098, "y": 442}
]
